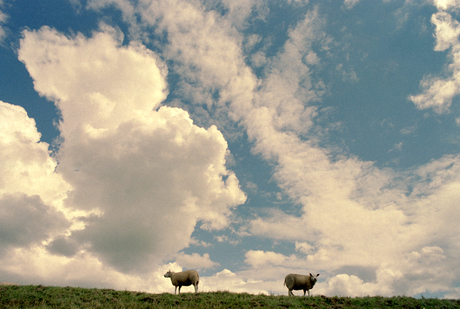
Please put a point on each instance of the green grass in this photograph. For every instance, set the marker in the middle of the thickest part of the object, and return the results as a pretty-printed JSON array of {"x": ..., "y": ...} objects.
[{"x": 68, "y": 297}]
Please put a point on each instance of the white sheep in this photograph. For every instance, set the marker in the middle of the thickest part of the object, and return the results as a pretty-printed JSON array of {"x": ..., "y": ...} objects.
[
  {"x": 184, "y": 278},
  {"x": 300, "y": 282}
]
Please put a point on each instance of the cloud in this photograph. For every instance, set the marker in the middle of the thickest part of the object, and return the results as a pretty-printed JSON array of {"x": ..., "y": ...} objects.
[
  {"x": 349, "y": 208},
  {"x": 27, "y": 166},
  {"x": 303, "y": 247},
  {"x": 360, "y": 228},
  {"x": 61, "y": 245},
  {"x": 259, "y": 258},
  {"x": 26, "y": 220},
  {"x": 206, "y": 52},
  {"x": 227, "y": 280},
  {"x": 238, "y": 11},
  {"x": 438, "y": 92},
  {"x": 350, "y": 3},
  {"x": 30, "y": 192},
  {"x": 36, "y": 266},
  {"x": 3, "y": 19},
  {"x": 195, "y": 261},
  {"x": 149, "y": 175},
  {"x": 446, "y": 4},
  {"x": 66, "y": 70}
]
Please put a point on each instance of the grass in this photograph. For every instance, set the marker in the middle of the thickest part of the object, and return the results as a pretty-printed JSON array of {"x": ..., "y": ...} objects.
[{"x": 69, "y": 297}]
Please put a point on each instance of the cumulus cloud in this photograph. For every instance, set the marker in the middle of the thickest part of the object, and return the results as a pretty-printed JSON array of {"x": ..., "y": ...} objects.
[
  {"x": 195, "y": 261},
  {"x": 227, "y": 280},
  {"x": 30, "y": 192},
  {"x": 26, "y": 220},
  {"x": 26, "y": 164},
  {"x": 36, "y": 266},
  {"x": 260, "y": 258},
  {"x": 148, "y": 175}
]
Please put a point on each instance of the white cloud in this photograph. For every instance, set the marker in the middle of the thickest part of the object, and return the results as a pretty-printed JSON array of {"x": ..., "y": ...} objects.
[
  {"x": 438, "y": 92},
  {"x": 361, "y": 226},
  {"x": 446, "y": 4},
  {"x": 352, "y": 286},
  {"x": 31, "y": 192},
  {"x": 195, "y": 261},
  {"x": 89, "y": 71},
  {"x": 148, "y": 172},
  {"x": 350, "y": 3},
  {"x": 396, "y": 147},
  {"x": 447, "y": 30},
  {"x": 304, "y": 247},
  {"x": 3, "y": 19},
  {"x": 206, "y": 50},
  {"x": 259, "y": 258},
  {"x": 312, "y": 58},
  {"x": 238, "y": 11},
  {"x": 350, "y": 209},
  {"x": 36, "y": 266},
  {"x": 26, "y": 220},
  {"x": 27, "y": 166},
  {"x": 281, "y": 108},
  {"x": 226, "y": 280},
  {"x": 150, "y": 175}
]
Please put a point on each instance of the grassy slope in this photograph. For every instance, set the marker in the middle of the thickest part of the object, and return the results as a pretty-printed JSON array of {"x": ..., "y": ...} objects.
[{"x": 68, "y": 297}]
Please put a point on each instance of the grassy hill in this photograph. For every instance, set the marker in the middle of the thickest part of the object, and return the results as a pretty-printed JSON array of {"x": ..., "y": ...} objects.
[{"x": 68, "y": 297}]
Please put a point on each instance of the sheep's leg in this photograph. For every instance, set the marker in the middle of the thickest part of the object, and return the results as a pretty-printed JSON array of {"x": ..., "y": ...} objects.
[
  {"x": 304, "y": 291},
  {"x": 179, "y": 288},
  {"x": 290, "y": 293},
  {"x": 175, "y": 290},
  {"x": 196, "y": 288},
  {"x": 308, "y": 293}
]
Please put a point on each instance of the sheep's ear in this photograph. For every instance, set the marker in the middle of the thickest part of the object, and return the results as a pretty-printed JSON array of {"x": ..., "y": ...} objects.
[
  {"x": 317, "y": 275},
  {"x": 311, "y": 275}
]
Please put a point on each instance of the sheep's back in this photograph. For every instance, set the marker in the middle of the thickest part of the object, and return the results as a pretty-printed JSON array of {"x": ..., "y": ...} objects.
[
  {"x": 297, "y": 281},
  {"x": 187, "y": 277}
]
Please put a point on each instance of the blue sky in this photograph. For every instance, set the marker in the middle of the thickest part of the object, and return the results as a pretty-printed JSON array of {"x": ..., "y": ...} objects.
[{"x": 244, "y": 139}]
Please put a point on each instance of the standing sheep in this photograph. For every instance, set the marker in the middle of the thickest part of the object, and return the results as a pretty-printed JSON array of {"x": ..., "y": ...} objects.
[
  {"x": 184, "y": 278},
  {"x": 300, "y": 282}
]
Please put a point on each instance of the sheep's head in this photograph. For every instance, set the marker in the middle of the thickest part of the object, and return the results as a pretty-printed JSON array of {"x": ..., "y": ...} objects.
[
  {"x": 168, "y": 274},
  {"x": 313, "y": 278}
]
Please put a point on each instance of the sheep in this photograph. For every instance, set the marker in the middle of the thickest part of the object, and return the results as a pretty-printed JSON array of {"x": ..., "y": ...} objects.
[
  {"x": 300, "y": 282},
  {"x": 184, "y": 278}
]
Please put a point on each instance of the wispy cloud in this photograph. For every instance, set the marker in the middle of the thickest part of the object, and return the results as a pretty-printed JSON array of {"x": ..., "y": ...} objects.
[{"x": 3, "y": 20}]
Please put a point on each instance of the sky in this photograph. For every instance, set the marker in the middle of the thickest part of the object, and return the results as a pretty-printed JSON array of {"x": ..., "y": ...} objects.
[{"x": 246, "y": 139}]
